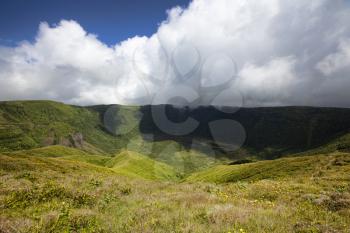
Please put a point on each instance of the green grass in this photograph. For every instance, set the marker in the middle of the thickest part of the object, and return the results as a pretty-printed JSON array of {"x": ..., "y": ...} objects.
[
  {"x": 184, "y": 161},
  {"x": 127, "y": 163},
  {"x": 32, "y": 124},
  {"x": 18, "y": 162},
  {"x": 62, "y": 152},
  {"x": 51, "y": 151},
  {"x": 135, "y": 165},
  {"x": 122, "y": 183},
  {"x": 273, "y": 169},
  {"x": 45, "y": 194},
  {"x": 341, "y": 144}
]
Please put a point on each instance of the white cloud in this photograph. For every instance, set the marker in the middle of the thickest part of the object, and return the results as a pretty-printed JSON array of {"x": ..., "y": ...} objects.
[
  {"x": 285, "y": 53},
  {"x": 337, "y": 61},
  {"x": 64, "y": 63},
  {"x": 269, "y": 84}
]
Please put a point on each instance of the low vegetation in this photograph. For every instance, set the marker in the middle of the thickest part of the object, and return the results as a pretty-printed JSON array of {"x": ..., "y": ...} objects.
[
  {"x": 135, "y": 165},
  {"x": 48, "y": 193},
  {"x": 62, "y": 170}
]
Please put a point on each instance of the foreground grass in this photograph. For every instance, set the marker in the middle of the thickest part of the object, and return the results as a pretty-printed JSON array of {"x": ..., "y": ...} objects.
[{"x": 41, "y": 194}]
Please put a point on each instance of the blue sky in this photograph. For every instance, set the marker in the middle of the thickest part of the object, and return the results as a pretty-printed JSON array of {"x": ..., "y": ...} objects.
[{"x": 111, "y": 20}]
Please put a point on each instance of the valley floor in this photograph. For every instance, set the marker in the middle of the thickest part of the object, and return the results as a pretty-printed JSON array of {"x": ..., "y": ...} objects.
[{"x": 45, "y": 194}]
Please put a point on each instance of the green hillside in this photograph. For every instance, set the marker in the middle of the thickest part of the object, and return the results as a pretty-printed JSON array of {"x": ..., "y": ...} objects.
[
  {"x": 50, "y": 151},
  {"x": 109, "y": 169},
  {"x": 45, "y": 194},
  {"x": 271, "y": 132},
  {"x": 63, "y": 152},
  {"x": 183, "y": 160},
  {"x": 306, "y": 166},
  {"x": 135, "y": 165},
  {"x": 127, "y": 163},
  {"x": 341, "y": 144},
  {"x": 32, "y": 124},
  {"x": 21, "y": 162}
]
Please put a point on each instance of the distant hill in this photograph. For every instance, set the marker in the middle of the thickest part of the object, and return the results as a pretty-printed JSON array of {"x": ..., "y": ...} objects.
[
  {"x": 270, "y": 132},
  {"x": 33, "y": 124},
  {"x": 110, "y": 168}
]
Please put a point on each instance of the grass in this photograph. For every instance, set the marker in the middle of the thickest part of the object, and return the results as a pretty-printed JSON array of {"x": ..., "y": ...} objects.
[
  {"x": 271, "y": 132},
  {"x": 184, "y": 161},
  {"x": 32, "y": 124},
  {"x": 123, "y": 183},
  {"x": 135, "y": 165},
  {"x": 62, "y": 152},
  {"x": 274, "y": 169},
  {"x": 341, "y": 143},
  {"x": 46, "y": 194}
]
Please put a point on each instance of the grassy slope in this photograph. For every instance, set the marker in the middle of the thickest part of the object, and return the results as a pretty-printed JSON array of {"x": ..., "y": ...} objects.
[
  {"x": 22, "y": 162},
  {"x": 44, "y": 194},
  {"x": 28, "y": 124},
  {"x": 62, "y": 152},
  {"x": 126, "y": 163},
  {"x": 274, "y": 169},
  {"x": 123, "y": 122},
  {"x": 341, "y": 144},
  {"x": 110, "y": 129},
  {"x": 133, "y": 164},
  {"x": 106, "y": 129},
  {"x": 58, "y": 189},
  {"x": 184, "y": 161}
]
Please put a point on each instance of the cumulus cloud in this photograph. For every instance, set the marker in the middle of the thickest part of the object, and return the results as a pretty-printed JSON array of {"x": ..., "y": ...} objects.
[
  {"x": 269, "y": 84},
  {"x": 271, "y": 52},
  {"x": 337, "y": 61}
]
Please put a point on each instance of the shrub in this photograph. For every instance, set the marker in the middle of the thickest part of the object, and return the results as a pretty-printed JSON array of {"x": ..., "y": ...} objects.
[
  {"x": 125, "y": 190},
  {"x": 27, "y": 197}
]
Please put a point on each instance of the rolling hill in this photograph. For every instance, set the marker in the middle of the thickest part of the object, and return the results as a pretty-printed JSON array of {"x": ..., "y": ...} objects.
[
  {"x": 103, "y": 168},
  {"x": 108, "y": 129},
  {"x": 304, "y": 166},
  {"x": 135, "y": 165},
  {"x": 48, "y": 190},
  {"x": 33, "y": 124}
]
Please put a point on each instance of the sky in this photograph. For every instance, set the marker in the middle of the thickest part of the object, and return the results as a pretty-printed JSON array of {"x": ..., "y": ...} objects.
[
  {"x": 112, "y": 20},
  {"x": 240, "y": 53}
]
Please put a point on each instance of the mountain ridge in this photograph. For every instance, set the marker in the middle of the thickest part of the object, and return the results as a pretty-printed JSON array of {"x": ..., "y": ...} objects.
[{"x": 111, "y": 128}]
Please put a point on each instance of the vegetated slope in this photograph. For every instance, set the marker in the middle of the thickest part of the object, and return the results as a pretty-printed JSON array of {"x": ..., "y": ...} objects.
[
  {"x": 62, "y": 152},
  {"x": 97, "y": 130},
  {"x": 126, "y": 163},
  {"x": 183, "y": 160},
  {"x": 56, "y": 151},
  {"x": 21, "y": 162},
  {"x": 44, "y": 194},
  {"x": 296, "y": 167},
  {"x": 133, "y": 164},
  {"x": 270, "y": 132},
  {"x": 341, "y": 144},
  {"x": 32, "y": 124}
]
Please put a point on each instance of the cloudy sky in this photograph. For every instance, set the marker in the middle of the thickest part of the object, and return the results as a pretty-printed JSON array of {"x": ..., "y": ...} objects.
[{"x": 222, "y": 52}]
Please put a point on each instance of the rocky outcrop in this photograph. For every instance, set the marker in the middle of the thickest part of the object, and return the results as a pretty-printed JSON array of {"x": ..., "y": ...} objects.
[{"x": 75, "y": 140}]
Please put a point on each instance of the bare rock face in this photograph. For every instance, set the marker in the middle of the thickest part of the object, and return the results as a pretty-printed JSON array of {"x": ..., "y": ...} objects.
[
  {"x": 75, "y": 140},
  {"x": 64, "y": 142},
  {"x": 49, "y": 140}
]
